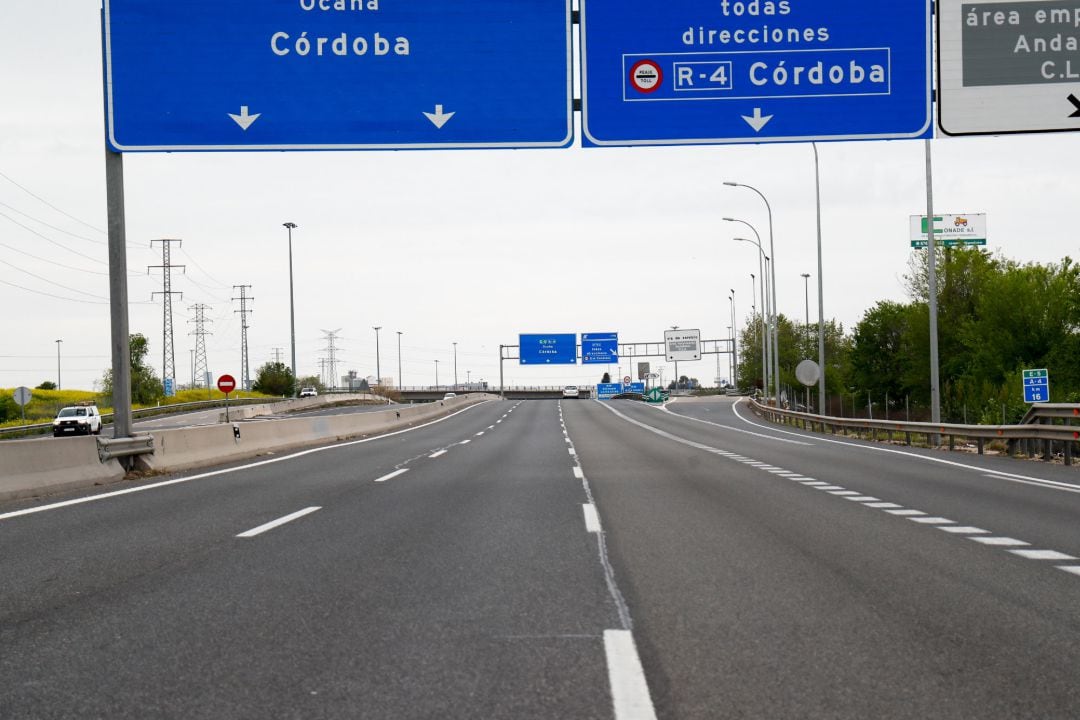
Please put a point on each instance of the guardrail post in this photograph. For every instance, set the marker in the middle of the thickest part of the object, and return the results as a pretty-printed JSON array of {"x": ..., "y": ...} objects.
[
  {"x": 952, "y": 443},
  {"x": 907, "y": 439},
  {"x": 979, "y": 442},
  {"x": 1068, "y": 452}
]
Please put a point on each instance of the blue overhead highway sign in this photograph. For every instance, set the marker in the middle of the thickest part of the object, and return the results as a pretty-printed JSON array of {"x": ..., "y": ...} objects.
[
  {"x": 557, "y": 349},
  {"x": 599, "y": 348},
  {"x": 732, "y": 71},
  {"x": 337, "y": 74}
]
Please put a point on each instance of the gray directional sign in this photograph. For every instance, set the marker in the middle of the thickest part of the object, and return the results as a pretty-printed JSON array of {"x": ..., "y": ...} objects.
[{"x": 1008, "y": 67}]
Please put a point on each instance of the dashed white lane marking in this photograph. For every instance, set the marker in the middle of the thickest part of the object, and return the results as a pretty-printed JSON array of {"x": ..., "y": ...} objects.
[
  {"x": 277, "y": 523},
  {"x": 932, "y": 520},
  {"x": 1042, "y": 555},
  {"x": 479, "y": 434},
  {"x": 964, "y": 530},
  {"x": 571, "y": 451},
  {"x": 592, "y": 519},
  {"x": 1074, "y": 569},
  {"x": 862, "y": 498},
  {"x": 437, "y": 453},
  {"x": 842, "y": 493},
  {"x": 999, "y": 541},
  {"x": 229, "y": 471},
  {"x": 498, "y": 422},
  {"x": 629, "y": 689},
  {"x": 905, "y": 512},
  {"x": 464, "y": 442},
  {"x": 828, "y": 487},
  {"x": 391, "y": 476},
  {"x": 491, "y": 427},
  {"x": 884, "y": 505},
  {"x": 814, "y": 483},
  {"x": 578, "y": 474}
]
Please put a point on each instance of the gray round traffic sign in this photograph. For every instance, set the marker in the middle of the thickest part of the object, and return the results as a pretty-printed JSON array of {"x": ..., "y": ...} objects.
[
  {"x": 807, "y": 372},
  {"x": 22, "y": 396}
]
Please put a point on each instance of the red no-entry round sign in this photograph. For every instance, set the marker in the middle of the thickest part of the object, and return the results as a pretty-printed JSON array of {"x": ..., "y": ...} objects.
[{"x": 226, "y": 384}]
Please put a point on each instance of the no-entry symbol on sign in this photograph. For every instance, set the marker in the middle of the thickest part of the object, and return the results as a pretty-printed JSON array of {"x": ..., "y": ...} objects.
[{"x": 226, "y": 384}]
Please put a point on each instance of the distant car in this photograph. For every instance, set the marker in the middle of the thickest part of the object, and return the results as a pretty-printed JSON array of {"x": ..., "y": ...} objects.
[
  {"x": 309, "y": 392},
  {"x": 570, "y": 391},
  {"x": 77, "y": 420},
  {"x": 448, "y": 396}
]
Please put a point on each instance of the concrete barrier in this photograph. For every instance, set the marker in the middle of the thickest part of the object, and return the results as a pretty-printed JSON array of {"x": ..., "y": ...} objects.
[
  {"x": 29, "y": 468},
  {"x": 185, "y": 448},
  {"x": 244, "y": 412}
]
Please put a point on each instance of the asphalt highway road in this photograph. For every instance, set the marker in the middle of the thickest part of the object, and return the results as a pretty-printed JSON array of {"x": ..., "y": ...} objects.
[{"x": 554, "y": 560}]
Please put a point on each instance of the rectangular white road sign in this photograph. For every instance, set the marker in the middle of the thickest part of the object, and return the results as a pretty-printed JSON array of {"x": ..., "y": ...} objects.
[
  {"x": 1008, "y": 66},
  {"x": 682, "y": 344}
]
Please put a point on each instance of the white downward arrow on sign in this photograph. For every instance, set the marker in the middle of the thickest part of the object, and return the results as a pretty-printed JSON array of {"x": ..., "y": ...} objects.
[
  {"x": 757, "y": 121},
  {"x": 439, "y": 118},
  {"x": 243, "y": 119}
]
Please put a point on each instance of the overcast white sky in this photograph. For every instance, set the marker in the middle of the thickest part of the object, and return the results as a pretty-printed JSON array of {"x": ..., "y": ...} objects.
[{"x": 468, "y": 247}]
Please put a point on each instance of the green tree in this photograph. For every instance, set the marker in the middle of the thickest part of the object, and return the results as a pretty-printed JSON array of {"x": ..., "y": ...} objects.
[
  {"x": 47, "y": 385},
  {"x": 606, "y": 379},
  {"x": 146, "y": 388},
  {"x": 274, "y": 378}
]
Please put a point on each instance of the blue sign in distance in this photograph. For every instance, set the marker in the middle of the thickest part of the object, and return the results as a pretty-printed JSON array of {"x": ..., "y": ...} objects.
[
  {"x": 599, "y": 348},
  {"x": 169, "y": 387},
  {"x": 606, "y": 391},
  {"x": 734, "y": 71},
  {"x": 557, "y": 349},
  {"x": 1036, "y": 386},
  {"x": 337, "y": 74}
]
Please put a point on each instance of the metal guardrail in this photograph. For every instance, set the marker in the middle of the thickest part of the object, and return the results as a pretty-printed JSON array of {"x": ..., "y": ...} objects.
[
  {"x": 148, "y": 412},
  {"x": 110, "y": 448},
  {"x": 1036, "y": 428}
]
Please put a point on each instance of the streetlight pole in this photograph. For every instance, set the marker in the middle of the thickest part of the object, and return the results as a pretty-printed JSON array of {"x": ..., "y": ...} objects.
[
  {"x": 290, "y": 226},
  {"x": 820, "y": 288},
  {"x": 436, "y": 374},
  {"x": 58, "y": 364},
  {"x": 455, "y": 365},
  {"x": 468, "y": 379},
  {"x": 734, "y": 343},
  {"x": 772, "y": 278},
  {"x": 676, "y": 327},
  {"x": 806, "y": 291},
  {"x": 399, "y": 360},
  {"x": 378, "y": 359},
  {"x": 763, "y": 267}
]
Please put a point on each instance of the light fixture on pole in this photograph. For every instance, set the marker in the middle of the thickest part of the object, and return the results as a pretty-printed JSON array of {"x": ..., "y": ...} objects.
[
  {"x": 378, "y": 360},
  {"x": 290, "y": 226},
  {"x": 399, "y": 360},
  {"x": 772, "y": 280},
  {"x": 763, "y": 266}
]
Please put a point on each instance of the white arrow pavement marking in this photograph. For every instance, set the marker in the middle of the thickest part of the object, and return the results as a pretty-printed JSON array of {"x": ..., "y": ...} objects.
[
  {"x": 243, "y": 119},
  {"x": 439, "y": 118},
  {"x": 757, "y": 121}
]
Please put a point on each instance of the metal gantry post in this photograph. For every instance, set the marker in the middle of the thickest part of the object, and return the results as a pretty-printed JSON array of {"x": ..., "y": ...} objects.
[
  {"x": 290, "y": 226},
  {"x": 931, "y": 259},
  {"x": 118, "y": 295},
  {"x": 821, "y": 289}
]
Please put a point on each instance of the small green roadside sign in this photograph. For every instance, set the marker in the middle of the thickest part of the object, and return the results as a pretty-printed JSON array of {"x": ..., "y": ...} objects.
[{"x": 656, "y": 395}]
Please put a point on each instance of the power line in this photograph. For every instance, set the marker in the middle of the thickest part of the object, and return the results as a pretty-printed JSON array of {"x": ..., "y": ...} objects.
[
  {"x": 50, "y": 240},
  {"x": 49, "y": 204},
  {"x": 51, "y": 282}
]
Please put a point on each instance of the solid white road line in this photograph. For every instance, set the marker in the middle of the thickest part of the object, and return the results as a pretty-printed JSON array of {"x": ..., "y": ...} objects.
[
  {"x": 592, "y": 520},
  {"x": 629, "y": 689},
  {"x": 1042, "y": 554},
  {"x": 276, "y": 523},
  {"x": 391, "y": 476},
  {"x": 438, "y": 453}
]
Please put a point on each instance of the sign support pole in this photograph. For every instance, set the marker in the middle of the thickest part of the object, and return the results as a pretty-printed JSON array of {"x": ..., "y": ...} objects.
[
  {"x": 502, "y": 393},
  {"x": 118, "y": 295},
  {"x": 820, "y": 288},
  {"x": 931, "y": 263}
]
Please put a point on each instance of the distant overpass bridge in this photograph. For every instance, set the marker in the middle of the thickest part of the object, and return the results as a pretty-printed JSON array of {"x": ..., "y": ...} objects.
[{"x": 420, "y": 394}]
